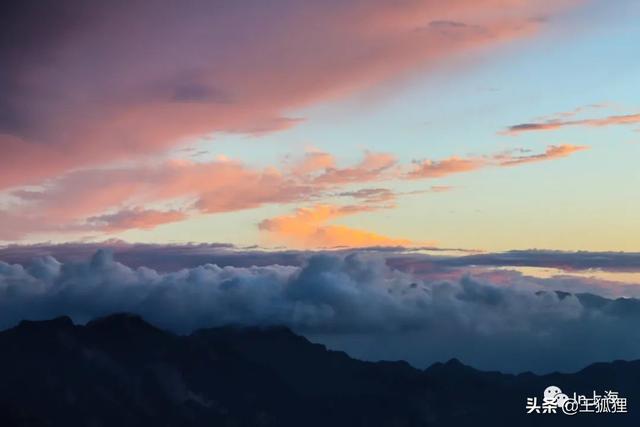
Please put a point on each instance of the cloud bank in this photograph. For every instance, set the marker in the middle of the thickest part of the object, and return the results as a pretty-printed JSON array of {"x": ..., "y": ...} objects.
[{"x": 351, "y": 301}]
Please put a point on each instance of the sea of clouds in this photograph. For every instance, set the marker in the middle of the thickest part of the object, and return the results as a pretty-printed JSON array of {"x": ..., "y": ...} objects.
[{"x": 351, "y": 301}]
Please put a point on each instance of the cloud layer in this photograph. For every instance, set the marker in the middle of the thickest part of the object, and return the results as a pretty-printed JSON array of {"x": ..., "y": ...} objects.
[
  {"x": 94, "y": 82},
  {"x": 351, "y": 301},
  {"x": 109, "y": 200}
]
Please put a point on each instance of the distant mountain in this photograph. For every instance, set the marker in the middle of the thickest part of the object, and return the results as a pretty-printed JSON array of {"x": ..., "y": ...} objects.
[{"x": 121, "y": 371}]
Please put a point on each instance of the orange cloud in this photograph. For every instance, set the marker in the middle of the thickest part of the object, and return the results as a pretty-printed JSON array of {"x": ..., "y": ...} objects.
[
  {"x": 440, "y": 168},
  {"x": 308, "y": 228}
]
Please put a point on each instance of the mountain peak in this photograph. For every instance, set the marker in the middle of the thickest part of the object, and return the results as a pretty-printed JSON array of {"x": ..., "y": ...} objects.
[
  {"x": 127, "y": 321},
  {"x": 236, "y": 375},
  {"x": 55, "y": 323},
  {"x": 453, "y": 362},
  {"x": 451, "y": 366},
  {"x": 271, "y": 332}
]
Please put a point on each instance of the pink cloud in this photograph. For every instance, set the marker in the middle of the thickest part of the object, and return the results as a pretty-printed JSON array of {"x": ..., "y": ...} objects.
[
  {"x": 87, "y": 199},
  {"x": 313, "y": 162},
  {"x": 130, "y": 80},
  {"x": 377, "y": 196},
  {"x": 440, "y": 168},
  {"x": 200, "y": 187},
  {"x": 454, "y": 165},
  {"x": 371, "y": 195},
  {"x": 216, "y": 186}
]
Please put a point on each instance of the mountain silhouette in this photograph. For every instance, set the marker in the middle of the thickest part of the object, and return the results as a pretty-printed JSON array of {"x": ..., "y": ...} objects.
[{"x": 122, "y": 371}]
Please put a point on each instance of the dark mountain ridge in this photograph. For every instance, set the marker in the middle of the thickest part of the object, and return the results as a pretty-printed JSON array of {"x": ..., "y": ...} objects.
[{"x": 122, "y": 371}]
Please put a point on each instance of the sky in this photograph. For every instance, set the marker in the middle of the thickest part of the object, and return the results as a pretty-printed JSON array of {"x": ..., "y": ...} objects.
[
  {"x": 488, "y": 125},
  {"x": 398, "y": 179}
]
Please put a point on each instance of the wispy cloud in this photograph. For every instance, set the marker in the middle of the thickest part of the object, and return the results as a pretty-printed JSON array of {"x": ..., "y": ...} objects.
[
  {"x": 385, "y": 195},
  {"x": 145, "y": 219},
  {"x": 110, "y": 199},
  {"x": 552, "y": 152},
  {"x": 374, "y": 166},
  {"x": 371, "y": 195},
  {"x": 554, "y": 124},
  {"x": 426, "y": 169}
]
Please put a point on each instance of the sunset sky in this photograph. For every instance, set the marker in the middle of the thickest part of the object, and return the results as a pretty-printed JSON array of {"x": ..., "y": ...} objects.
[
  {"x": 397, "y": 179},
  {"x": 489, "y": 125}
]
